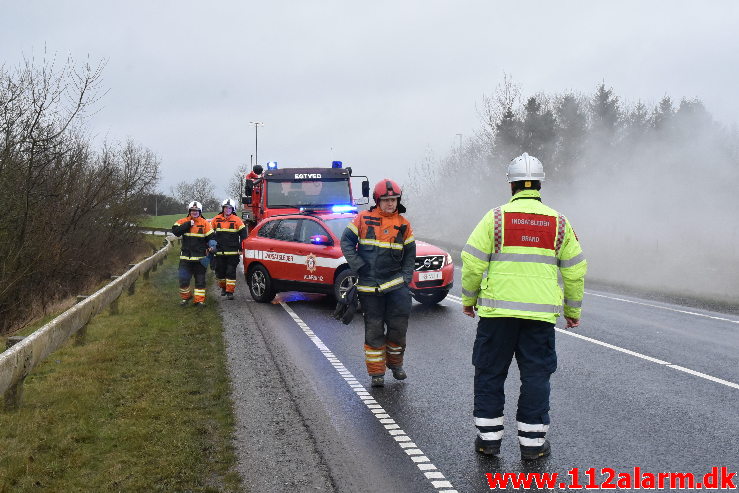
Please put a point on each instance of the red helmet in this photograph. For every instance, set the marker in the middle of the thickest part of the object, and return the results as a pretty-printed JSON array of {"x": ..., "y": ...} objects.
[{"x": 386, "y": 188}]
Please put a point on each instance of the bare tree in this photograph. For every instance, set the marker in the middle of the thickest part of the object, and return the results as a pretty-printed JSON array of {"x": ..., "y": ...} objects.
[
  {"x": 200, "y": 189},
  {"x": 234, "y": 184},
  {"x": 494, "y": 108},
  {"x": 68, "y": 209}
]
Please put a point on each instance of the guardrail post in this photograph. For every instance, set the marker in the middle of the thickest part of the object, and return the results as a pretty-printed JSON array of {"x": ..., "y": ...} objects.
[
  {"x": 81, "y": 334},
  {"x": 132, "y": 287},
  {"x": 114, "y": 304},
  {"x": 14, "y": 394},
  {"x": 146, "y": 275}
]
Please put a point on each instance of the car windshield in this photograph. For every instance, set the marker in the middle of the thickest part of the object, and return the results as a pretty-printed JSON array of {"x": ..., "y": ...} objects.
[
  {"x": 338, "y": 225},
  {"x": 301, "y": 193}
]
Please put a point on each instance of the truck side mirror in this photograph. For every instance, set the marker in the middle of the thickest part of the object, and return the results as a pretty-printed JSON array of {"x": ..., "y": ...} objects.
[
  {"x": 365, "y": 188},
  {"x": 246, "y": 200}
]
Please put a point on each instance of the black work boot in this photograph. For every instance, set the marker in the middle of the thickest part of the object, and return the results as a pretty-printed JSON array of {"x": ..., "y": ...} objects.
[
  {"x": 184, "y": 303},
  {"x": 378, "y": 380},
  {"x": 223, "y": 291},
  {"x": 399, "y": 373},
  {"x": 229, "y": 296},
  {"x": 487, "y": 447},
  {"x": 533, "y": 453}
]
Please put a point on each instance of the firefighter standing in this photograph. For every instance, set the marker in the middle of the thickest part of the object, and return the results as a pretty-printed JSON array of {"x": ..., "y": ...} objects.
[
  {"x": 379, "y": 246},
  {"x": 254, "y": 177},
  {"x": 229, "y": 233},
  {"x": 255, "y": 173},
  {"x": 510, "y": 277},
  {"x": 197, "y": 239}
]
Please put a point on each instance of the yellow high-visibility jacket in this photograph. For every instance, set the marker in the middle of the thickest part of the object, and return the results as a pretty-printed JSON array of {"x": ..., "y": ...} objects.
[{"x": 511, "y": 259}]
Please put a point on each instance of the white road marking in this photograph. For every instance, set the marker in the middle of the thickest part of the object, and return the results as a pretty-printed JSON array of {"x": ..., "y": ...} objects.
[
  {"x": 459, "y": 268},
  {"x": 401, "y": 438},
  {"x": 634, "y": 353},
  {"x": 663, "y": 307}
]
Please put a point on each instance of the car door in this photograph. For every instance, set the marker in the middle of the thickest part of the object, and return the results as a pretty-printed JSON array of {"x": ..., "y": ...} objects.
[
  {"x": 273, "y": 247},
  {"x": 281, "y": 252},
  {"x": 319, "y": 260}
]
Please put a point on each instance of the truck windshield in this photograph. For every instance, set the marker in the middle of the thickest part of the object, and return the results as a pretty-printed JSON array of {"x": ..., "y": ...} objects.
[
  {"x": 338, "y": 225},
  {"x": 301, "y": 193}
]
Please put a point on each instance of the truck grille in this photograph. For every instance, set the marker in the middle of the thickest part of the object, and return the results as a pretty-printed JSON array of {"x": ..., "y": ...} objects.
[{"x": 429, "y": 262}]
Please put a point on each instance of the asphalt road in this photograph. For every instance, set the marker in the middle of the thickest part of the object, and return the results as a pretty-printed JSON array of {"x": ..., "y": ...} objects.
[{"x": 646, "y": 384}]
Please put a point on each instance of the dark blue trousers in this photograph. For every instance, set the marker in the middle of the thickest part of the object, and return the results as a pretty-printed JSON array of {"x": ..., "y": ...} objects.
[{"x": 497, "y": 341}]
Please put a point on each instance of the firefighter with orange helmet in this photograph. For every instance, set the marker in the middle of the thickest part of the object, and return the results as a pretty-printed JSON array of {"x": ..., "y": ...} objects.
[
  {"x": 229, "y": 233},
  {"x": 378, "y": 245},
  {"x": 197, "y": 241}
]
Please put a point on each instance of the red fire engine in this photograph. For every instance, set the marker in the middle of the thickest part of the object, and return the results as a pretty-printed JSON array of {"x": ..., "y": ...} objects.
[{"x": 296, "y": 217}]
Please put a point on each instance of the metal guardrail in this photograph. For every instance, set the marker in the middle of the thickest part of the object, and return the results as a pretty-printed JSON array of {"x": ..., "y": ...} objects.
[{"x": 17, "y": 361}]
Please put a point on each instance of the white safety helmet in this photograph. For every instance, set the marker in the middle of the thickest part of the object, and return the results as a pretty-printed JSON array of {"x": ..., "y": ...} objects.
[
  {"x": 525, "y": 167},
  {"x": 195, "y": 205},
  {"x": 228, "y": 203}
]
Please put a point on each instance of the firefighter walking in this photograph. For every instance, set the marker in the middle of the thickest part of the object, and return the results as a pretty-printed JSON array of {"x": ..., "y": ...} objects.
[
  {"x": 229, "y": 233},
  {"x": 509, "y": 276},
  {"x": 378, "y": 245},
  {"x": 197, "y": 240}
]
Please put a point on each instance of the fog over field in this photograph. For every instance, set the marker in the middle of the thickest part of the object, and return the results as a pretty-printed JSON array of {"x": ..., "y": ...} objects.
[{"x": 650, "y": 191}]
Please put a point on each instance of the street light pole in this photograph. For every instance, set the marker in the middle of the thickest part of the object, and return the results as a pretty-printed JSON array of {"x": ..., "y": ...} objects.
[{"x": 256, "y": 139}]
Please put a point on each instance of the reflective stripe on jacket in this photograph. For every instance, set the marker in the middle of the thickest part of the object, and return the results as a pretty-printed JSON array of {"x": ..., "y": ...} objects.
[
  {"x": 229, "y": 233},
  {"x": 511, "y": 259},
  {"x": 381, "y": 249},
  {"x": 195, "y": 238}
]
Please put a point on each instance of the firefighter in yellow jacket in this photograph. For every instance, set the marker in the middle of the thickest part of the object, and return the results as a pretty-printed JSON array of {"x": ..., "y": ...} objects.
[
  {"x": 229, "y": 233},
  {"x": 197, "y": 241},
  {"x": 378, "y": 245},
  {"x": 511, "y": 261}
]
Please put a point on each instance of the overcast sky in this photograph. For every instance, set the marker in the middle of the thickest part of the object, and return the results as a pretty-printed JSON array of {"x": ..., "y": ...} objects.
[{"x": 374, "y": 84}]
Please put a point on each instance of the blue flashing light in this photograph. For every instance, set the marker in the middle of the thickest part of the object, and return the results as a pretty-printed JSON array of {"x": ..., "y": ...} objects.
[
  {"x": 343, "y": 208},
  {"x": 336, "y": 164},
  {"x": 272, "y": 165}
]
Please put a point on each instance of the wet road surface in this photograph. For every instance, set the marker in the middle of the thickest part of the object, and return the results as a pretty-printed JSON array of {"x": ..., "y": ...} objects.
[{"x": 648, "y": 384}]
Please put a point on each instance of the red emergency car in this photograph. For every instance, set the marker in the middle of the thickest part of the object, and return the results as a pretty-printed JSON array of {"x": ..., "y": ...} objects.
[{"x": 302, "y": 252}]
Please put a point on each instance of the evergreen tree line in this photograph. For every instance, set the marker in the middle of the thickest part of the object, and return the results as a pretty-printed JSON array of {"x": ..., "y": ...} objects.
[
  {"x": 69, "y": 208},
  {"x": 639, "y": 182}
]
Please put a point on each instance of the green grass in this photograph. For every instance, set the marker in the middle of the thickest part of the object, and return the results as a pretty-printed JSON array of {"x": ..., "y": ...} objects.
[
  {"x": 142, "y": 406},
  {"x": 167, "y": 221}
]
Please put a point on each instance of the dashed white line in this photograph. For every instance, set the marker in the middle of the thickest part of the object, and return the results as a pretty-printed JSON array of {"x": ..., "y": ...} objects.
[
  {"x": 458, "y": 300},
  {"x": 437, "y": 479},
  {"x": 663, "y": 307}
]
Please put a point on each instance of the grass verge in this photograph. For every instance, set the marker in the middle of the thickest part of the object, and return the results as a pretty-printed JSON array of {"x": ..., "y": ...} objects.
[
  {"x": 142, "y": 406},
  {"x": 167, "y": 221}
]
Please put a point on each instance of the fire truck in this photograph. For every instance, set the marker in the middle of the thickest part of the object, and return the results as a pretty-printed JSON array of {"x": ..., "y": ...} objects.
[{"x": 296, "y": 217}]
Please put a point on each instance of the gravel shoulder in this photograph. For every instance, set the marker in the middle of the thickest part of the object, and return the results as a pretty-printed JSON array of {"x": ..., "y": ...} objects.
[{"x": 284, "y": 439}]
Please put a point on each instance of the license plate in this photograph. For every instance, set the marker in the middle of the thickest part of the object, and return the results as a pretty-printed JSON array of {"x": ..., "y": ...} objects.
[{"x": 429, "y": 276}]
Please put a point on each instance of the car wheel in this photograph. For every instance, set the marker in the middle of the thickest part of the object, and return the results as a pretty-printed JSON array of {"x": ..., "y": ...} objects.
[
  {"x": 429, "y": 299},
  {"x": 260, "y": 285},
  {"x": 343, "y": 282}
]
